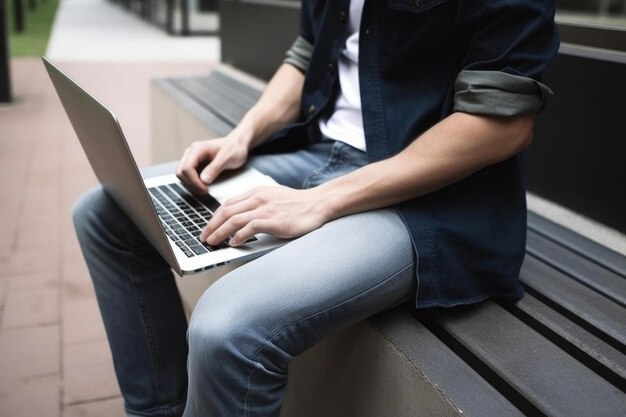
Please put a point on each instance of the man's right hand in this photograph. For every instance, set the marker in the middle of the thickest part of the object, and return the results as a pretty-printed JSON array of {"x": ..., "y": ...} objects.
[{"x": 203, "y": 161}]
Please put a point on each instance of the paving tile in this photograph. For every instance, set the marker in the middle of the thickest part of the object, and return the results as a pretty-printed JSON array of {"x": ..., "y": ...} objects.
[
  {"x": 107, "y": 408},
  {"x": 71, "y": 252},
  {"x": 33, "y": 397},
  {"x": 4, "y": 284},
  {"x": 88, "y": 372},
  {"x": 34, "y": 351},
  {"x": 6, "y": 247},
  {"x": 31, "y": 259},
  {"x": 82, "y": 321},
  {"x": 75, "y": 281},
  {"x": 39, "y": 236},
  {"x": 26, "y": 308},
  {"x": 34, "y": 281}
]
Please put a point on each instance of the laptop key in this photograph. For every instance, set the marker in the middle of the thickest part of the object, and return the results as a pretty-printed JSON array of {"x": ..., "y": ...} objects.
[{"x": 198, "y": 249}]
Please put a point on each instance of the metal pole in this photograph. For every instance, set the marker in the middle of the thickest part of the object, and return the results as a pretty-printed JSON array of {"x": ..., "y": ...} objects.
[
  {"x": 169, "y": 16},
  {"x": 184, "y": 10},
  {"x": 5, "y": 81},
  {"x": 18, "y": 15}
]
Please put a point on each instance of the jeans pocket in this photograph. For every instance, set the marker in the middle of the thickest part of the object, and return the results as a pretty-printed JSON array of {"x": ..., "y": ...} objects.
[{"x": 414, "y": 6}]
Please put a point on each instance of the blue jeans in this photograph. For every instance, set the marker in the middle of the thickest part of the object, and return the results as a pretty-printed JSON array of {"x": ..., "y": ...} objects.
[{"x": 248, "y": 325}]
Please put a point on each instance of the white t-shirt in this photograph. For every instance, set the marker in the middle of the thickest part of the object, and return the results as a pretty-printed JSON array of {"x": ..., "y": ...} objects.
[{"x": 345, "y": 124}]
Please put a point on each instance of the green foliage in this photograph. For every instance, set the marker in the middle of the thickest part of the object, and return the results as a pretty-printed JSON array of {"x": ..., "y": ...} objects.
[{"x": 37, "y": 25}]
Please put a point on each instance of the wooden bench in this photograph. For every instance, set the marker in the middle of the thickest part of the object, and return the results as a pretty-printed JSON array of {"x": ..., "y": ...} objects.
[{"x": 560, "y": 351}]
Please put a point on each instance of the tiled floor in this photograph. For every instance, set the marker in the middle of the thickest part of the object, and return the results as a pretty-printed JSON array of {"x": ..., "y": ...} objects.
[{"x": 54, "y": 357}]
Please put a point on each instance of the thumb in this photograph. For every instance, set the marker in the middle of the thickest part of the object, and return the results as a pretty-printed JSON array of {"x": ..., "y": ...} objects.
[{"x": 213, "y": 169}]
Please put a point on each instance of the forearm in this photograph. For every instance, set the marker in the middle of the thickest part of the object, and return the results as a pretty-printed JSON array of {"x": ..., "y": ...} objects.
[
  {"x": 453, "y": 149},
  {"x": 278, "y": 106}
]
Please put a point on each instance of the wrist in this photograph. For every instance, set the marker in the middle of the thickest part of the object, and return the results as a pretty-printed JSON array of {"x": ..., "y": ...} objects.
[
  {"x": 242, "y": 135},
  {"x": 330, "y": 202}
]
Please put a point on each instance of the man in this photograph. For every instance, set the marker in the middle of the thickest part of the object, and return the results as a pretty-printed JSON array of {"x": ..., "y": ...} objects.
[{"x": 395, "y": 128}]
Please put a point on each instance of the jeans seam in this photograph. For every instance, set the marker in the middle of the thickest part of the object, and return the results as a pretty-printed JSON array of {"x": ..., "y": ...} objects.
[
  {"x": 154, "y": 360},
  {"x": 309, "y": 317}
]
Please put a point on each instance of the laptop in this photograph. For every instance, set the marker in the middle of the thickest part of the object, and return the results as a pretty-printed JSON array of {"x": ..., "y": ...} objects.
[{"x": 169, "y": 216}]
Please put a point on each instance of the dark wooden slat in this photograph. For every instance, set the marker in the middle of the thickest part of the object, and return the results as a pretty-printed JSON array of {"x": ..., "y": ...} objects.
[
  {"x": 220, "y": 105},
  {"x": 245, "y": 89},
  {"x": 579, "y": 244},
  {"x": 191, "y": 104},
  {"x": 578, "y": 300},
  {"x": 549, "y": 378},
  {"x": 584, "y": 346},
  {"x": 603, "y": 280},
  {"x": 457, "y": 381},
  {"x": 230, "y": 92}
]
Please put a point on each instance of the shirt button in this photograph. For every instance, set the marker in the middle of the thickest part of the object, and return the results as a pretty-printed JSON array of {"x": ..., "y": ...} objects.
[
  {"x": 342, "y": 16},
  {"x": 331, "y": 67},
  {"x": 312, "y": 109},
  {"x": 367, "y": 31}
]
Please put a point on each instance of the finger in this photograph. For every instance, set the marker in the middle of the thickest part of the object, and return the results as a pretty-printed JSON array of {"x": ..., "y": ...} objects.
[
  {"x": 253, "y": 227},
  {"x": 230, "y": 227},
  {"x": 181, "y": 163},
  {"x": 188, "y": 171},
  {"x": 223, "y": 214},
  {"x": 214, "y": 168}
]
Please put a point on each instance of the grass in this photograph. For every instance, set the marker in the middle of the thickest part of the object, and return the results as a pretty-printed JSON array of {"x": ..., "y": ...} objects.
[{"x": 37, "y": 25}]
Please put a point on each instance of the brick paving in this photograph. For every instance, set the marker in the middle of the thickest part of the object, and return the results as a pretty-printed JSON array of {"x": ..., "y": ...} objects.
[{"x": 54, "y": 357}]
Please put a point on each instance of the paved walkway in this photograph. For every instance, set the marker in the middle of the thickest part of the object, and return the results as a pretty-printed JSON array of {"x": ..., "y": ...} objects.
[
  {"x": 54, "y": 357},
  {"x": 98, "y": 30}
]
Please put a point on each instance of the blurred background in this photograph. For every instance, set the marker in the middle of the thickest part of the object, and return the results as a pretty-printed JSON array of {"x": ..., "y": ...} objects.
[{"x": 54, "y": 357}]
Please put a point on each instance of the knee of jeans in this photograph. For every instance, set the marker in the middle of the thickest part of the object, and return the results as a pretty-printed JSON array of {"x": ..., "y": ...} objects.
[
  {"x": 94, "y": 211},
  {"x": 214, "y": 335},
  {"x": 84, "y": 208},
  {"x": 226, "y": 332}
]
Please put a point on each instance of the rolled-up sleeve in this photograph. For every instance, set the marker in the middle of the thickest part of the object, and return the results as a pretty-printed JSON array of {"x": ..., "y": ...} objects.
[
  {"x": 496, "y": 93},
  {"x": 507, "y": 44},
  {"x": 299, "y": 54}
]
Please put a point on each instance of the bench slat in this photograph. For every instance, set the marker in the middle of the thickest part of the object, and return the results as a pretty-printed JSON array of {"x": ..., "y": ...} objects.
[
  {"x": 587, "y": 348},
  {"x": 579, "y": 244},
  {"x": 220, "y": 105},
  {"x": 195, "y": 107},
  {"x": 231, "y": 93},
  {"x": 578, "y": 300},
  {"x": 245, "y": 89},
  {"x": 604, "y": 281},
  {"x": 457, "y": 381},
  {"x": 549, "y": 378}
]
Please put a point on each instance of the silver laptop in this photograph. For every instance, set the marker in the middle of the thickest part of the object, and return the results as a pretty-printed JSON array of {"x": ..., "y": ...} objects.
[{"x": 161, "y": 207}]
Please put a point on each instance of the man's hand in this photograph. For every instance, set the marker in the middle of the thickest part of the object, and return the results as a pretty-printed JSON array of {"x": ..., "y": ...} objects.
[
  {"x": 280, "y": 211},
  {"x": 203, "y": 161}
]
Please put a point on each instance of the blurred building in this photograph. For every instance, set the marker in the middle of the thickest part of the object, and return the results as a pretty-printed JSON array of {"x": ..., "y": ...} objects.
[{"x": 178, "y": 17}]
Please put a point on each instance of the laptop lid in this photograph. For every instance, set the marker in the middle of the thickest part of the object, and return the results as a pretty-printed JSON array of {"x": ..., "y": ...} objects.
[{"x": 108, "y": 153}]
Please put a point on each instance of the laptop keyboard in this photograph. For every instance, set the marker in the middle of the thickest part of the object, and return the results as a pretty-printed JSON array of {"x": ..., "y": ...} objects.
[{"x": 183, "y": 217}]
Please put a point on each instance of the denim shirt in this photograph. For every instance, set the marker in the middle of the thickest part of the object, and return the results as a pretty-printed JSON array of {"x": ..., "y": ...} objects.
[{"x": 419, "y": 61}]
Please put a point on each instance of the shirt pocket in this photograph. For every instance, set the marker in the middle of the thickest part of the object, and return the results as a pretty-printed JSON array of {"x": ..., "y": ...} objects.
[{"x": 414, "y": 6}]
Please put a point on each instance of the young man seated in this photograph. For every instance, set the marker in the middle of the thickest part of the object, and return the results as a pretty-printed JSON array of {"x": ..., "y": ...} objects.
[{"x": 395, "y": 129}]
